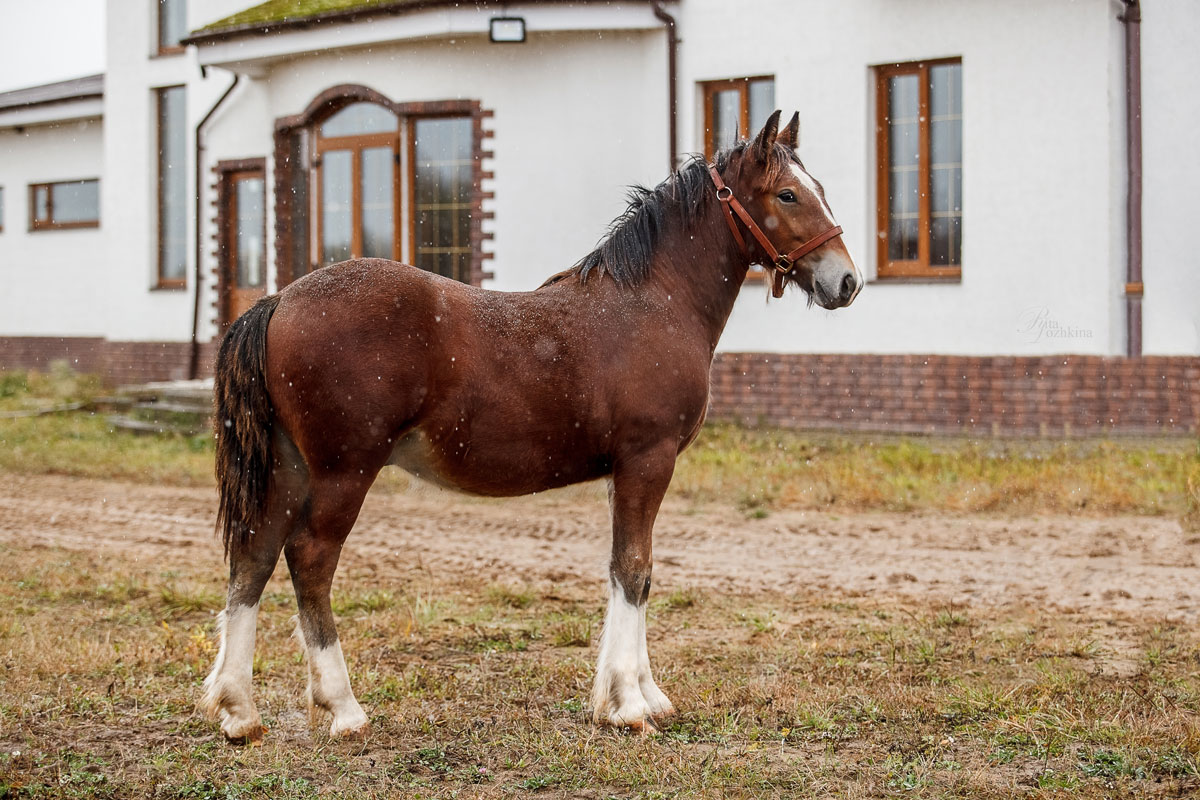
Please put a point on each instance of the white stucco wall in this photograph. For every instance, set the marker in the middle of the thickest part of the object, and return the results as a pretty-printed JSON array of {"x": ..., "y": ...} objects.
[
  {"x": 1171, "y": 166},
  {"x": 1036, "y": 163},
  {"x": 52, "y": 279},
  {"x": 137, "y": 310}
]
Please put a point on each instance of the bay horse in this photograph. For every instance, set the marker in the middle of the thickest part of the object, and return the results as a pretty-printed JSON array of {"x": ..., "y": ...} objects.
[{"x": 602, "y": 372}]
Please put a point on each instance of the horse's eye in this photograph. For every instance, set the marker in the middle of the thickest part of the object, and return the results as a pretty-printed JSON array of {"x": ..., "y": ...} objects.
[{"x": 787, "y": 196}]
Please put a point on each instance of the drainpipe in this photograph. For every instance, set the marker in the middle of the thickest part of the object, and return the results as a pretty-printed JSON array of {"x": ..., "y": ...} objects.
[
  {"x": 194, "y": 357},
  {"x": 1133, "y": 140},
  {"x": 672, "y": 97}
]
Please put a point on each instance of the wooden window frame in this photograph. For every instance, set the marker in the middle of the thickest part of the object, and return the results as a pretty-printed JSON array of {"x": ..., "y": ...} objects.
[
  {"x": 160, "y": 281},
  {"x": 920, "y": 269},
  {"x": 356, "y": 144},
  {"x": 410, "y": 123},
  {"x": 227, "y": 174},
  {"x": 742, "y": 86},
  {"x": 169, "y": 50},
  {"x": 49, "y": 224}
]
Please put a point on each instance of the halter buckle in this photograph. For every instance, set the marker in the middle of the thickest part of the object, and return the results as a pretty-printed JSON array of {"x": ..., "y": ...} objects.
[
  {"x": 784, "y": 264},
  {"x": 724, "y": 194}
]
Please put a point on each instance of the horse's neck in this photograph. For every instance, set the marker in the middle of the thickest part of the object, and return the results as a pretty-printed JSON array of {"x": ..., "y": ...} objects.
[{"x": 703, "y": 269}]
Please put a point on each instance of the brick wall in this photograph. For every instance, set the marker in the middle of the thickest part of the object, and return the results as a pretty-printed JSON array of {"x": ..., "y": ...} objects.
[
  {"x": 982, "y": 395},
  {"x": 119, "y": 362}
]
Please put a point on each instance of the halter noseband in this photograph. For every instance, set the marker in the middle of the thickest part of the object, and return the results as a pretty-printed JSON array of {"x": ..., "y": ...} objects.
[{"x": 782, "y": 262}]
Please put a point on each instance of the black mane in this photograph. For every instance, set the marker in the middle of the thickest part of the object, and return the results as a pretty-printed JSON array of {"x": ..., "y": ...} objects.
[
  {"x": 627, "y": 251},
  {"x": 629, "y": 247}
]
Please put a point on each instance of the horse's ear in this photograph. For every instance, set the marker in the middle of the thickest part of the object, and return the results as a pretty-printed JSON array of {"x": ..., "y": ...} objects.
[
  {"x": 791, "y": 134},
  {"x": 766, "y": 137}
]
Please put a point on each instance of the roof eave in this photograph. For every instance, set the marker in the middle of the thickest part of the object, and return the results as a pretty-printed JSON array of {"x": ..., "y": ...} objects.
[
  {"x": 203, "y": 37},
  {"x": 341, "y": 15}
]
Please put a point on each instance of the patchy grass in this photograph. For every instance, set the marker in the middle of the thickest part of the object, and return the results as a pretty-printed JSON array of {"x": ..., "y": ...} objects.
[
  {"x": 470, "y": 695},
  {"x": 82, "y": 442},
  {"x": 765, "y": 469},
  {"x": 760, "y": 470}
]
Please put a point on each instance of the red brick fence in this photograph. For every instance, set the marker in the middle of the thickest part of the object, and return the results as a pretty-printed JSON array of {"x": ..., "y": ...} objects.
[{"x": 981, "y": 395}]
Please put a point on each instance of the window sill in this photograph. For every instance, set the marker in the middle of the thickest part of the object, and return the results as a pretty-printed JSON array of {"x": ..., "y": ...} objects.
[
  {"x": 916, "y": 279},
  {"x": 169, "y": 287},
  {"x": 64, "y": 226},
  {"x": 168, "y": 51}
]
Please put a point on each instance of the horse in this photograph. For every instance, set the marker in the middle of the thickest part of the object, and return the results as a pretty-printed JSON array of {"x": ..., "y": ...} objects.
[{"x": 601, "y": 372}]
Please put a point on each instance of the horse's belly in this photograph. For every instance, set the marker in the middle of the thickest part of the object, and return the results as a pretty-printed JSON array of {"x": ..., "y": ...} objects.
[
  {"x": 415, "y": 455},
  {"x": 493, "y": 467}
]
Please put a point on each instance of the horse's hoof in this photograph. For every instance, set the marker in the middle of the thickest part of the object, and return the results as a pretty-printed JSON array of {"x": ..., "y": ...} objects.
[
  {"x": 643, "y": 727},
  {"x": 658, "y": 703},
  {"x": 665, "y": 713},
  {"x": 244, "y": 733},
  {"x": 356, "y": 728}
]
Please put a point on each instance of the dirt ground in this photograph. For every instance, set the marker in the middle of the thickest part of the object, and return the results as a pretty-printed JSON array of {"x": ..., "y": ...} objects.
[{"x": 1116, "y": 564}]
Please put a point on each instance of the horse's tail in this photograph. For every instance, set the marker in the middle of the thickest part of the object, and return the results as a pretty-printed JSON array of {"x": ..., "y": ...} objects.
[{"x": 242, "y": 424}]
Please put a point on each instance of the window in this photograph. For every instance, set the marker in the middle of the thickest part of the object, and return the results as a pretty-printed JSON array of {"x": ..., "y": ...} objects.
[
  {"x": 172, "y": 187},
  {"x": 442, "y": 169},
  {"x": 356, "y": 154},
  {"x": 385, "y": 185},
  {"x": 735, "y": 109},
  {"x": 68, "y": 204},
  {"x": 919, "y": 158},
  {"x": 172, "y": 25}
]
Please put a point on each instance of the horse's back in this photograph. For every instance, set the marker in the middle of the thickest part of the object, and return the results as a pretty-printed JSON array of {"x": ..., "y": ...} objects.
[{"x": 372, "y": 362}]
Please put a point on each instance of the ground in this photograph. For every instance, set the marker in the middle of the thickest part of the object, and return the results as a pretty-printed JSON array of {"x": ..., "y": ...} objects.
[{"x": 811, "y": 654}]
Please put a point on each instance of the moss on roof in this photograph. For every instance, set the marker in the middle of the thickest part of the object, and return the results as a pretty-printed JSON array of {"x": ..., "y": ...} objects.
[
  {"x": 285, "y": 13},
  {"x": 293, "y": 11}
]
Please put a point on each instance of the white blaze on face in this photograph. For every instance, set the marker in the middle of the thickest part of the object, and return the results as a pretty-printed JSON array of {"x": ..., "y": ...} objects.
[{"x": 808, "y": 183}]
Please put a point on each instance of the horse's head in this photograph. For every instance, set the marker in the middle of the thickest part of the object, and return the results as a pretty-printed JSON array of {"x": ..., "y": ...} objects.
[{"x": 790, "y": 208}]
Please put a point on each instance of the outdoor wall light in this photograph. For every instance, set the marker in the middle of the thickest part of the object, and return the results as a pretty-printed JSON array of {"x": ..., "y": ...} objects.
[{"x": 509, "y": 30}]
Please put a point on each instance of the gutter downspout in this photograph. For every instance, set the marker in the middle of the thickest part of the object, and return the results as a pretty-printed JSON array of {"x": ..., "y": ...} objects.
[
  {"x": 194, "y": 356},
  {"x": 672, "y": 95},
  {"x": 1132, "y": 18}
]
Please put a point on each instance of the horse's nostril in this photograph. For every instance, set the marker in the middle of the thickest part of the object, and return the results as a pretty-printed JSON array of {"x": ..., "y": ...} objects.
[{"x": 847, "y": 287}]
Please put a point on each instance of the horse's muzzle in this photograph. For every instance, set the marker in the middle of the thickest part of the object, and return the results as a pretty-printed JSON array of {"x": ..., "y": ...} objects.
[{"x": 836, "y": 282}]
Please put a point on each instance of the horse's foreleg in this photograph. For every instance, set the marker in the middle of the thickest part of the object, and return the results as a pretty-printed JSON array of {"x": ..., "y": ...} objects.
[
  {"x": 625, "y": 692},
  {"x": 312, "y": 556},
  {"x": 227, "y": 689}
]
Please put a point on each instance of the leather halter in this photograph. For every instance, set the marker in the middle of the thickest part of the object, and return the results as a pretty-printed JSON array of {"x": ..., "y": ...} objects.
[{"x": 782, "y": 262}]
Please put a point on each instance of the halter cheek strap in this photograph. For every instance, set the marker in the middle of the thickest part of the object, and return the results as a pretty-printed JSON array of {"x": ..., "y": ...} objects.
[{"x": 782, "y": 262}]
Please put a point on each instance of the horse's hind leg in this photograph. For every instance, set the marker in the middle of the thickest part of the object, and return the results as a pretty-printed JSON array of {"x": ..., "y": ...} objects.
[
  {"x": 312, "y": 556},
  {"x": 227, "y": 690},
  {"x": 625, "y": 692}
]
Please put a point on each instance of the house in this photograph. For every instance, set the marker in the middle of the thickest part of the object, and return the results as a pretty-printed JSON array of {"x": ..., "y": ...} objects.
[{"x": 977, "y": 155}]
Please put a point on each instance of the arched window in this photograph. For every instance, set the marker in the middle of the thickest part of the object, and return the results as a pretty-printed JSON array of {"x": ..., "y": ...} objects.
[{"x": 373, "y": 179}]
